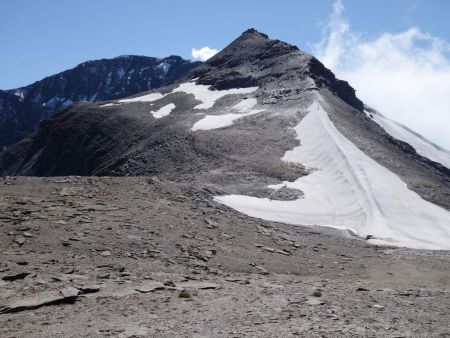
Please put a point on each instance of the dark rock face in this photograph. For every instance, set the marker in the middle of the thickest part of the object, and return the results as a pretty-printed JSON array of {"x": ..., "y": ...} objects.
[
  {"x": 254, "y": 60},
  {"x": 325, "y": 78},
  {"x": 22, "y": 109}
]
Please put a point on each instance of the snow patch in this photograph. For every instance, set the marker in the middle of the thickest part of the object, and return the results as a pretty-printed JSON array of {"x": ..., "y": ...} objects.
[
  {"x": 349, "y": 190},
  {"x": 421, "y": 145},
  {"x": 219, "y": 121},
  {"x": 201, "y": 93},
  {"x": 109, "y": 105},
  {"x": 209, "y": 97},
  {"x": 164, "y": 66},
  {"x": 145, "y": 98},
  {"x": 164, "y": 111},
  {"x": 55, "y": 102},
  {"x": 19, "y": 94}
]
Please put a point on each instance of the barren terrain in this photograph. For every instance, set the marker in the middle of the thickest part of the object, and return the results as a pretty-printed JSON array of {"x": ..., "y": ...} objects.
[{"x": 106, "y": 256}]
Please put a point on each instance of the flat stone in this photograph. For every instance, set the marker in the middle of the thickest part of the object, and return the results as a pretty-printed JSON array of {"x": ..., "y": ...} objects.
[
  {"x": 19, "y": 240},
  {"x": 314, "y": 301},
  {"x": 150, "y": 287},
  {"x": 69, "y": 292},
  {"x": 361, "y": 289},
  {"x": 41, "y": 299},
  {"x": 199, "y": 285},
  {"x": 283, "y": 252},
  {"x": 227, "y": 236},
  {"x": 68, "y": 271},
  {"x": 64, "y": 192},
  {"x": 20, "y": 275},
  {"x": 89, "y": 288}
]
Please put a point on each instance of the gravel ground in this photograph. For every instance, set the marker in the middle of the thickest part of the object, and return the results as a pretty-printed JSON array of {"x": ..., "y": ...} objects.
[{"x": 110, "y": 257}]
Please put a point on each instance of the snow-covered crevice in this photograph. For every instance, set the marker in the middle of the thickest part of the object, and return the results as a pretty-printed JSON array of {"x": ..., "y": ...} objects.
[
  {"x": 420, "y": 144},
  {"x": 163, "y": 111},
  {"x": 348, "y": 189},
  {"x": 244, "y": 108}
]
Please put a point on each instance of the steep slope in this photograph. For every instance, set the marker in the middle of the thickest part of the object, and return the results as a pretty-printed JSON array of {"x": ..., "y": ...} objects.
[
  {"x": 348, "y": 190},
  {"x": 229, "y": 126},
  {"x": 23, "y": 108},
  {"x": 418, "y": 142}
]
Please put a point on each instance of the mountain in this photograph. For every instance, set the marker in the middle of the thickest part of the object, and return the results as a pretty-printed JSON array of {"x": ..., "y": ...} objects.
[
  {"x": 23, "y": 108},
  {"x": 267, "y": 130}
]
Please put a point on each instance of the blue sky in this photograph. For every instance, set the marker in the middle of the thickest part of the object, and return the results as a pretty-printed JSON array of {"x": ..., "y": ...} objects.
[
  {"x": 395, "y": 53},
  {"x": 39, "y": 38}
]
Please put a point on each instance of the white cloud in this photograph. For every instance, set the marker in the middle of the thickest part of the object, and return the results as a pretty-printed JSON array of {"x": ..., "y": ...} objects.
[
  {"x": 203, "y": 53},
  {"x": 405, "y": 76}
]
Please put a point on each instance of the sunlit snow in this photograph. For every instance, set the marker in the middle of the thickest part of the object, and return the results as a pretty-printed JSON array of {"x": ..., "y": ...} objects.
[
  {"x": 209, "y": 97},
  {"x": 201, "y": 93},
  {"x": 349, "y": 190},
  {"x": 219, "y": 121},
  {"x": 109, "y": 105},
  {"x": 164, "y": 111},
  {"x": 164, "y": 66},
  {"x": 145, "y": 98},
  {"x": 421, "y": 145}
]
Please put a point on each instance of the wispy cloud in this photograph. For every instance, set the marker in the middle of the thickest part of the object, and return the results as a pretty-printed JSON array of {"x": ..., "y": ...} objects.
[
  {"x": 203, "y": 53},
  {"x": 404, "y": 75}
]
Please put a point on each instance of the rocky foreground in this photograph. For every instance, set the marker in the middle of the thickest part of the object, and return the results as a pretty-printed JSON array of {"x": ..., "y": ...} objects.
[{"x": 143, "y": 257}]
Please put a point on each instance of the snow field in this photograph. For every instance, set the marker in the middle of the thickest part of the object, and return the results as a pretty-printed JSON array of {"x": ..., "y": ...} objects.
[
  {"x": 164, "y": 111},
  {"x": 421, "y": 145},
  {"x": 348, "y": 189}
]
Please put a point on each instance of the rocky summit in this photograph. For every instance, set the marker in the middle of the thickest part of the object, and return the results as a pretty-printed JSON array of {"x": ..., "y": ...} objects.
[{"x": 256, "y": 195}]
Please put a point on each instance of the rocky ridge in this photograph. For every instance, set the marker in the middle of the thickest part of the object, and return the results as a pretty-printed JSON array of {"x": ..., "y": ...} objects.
[{"x": 22, "y": 109}]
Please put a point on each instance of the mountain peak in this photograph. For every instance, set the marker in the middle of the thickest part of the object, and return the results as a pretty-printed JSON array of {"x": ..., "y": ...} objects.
[
  {"x": 254, "y": 32},
  {"x": 248, "y": 61},
  {"x": 253, "y": 59}
]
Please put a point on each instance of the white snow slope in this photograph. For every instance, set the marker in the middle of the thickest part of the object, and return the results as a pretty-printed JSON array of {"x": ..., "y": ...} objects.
[
  {"x": 421, "y": 145},
  {"x": 349, "y": 190},
  {"x": 245, "y": 108}
]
